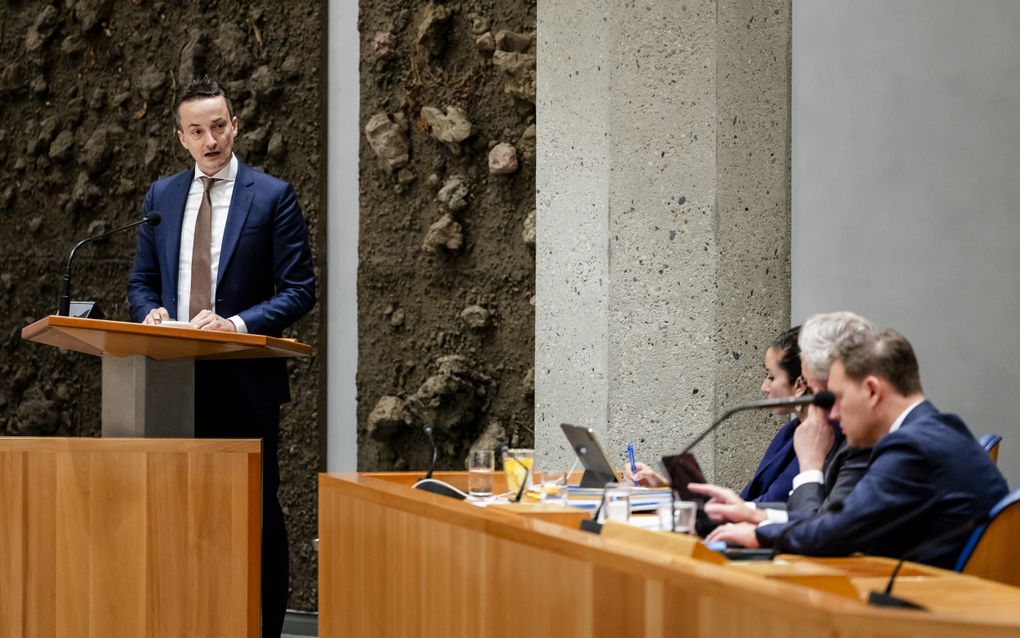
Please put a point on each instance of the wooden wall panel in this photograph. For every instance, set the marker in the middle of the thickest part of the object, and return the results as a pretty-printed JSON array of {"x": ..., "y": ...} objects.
[
  {"x": 73, "y": 485},
  {"x": 12, "y": 516},
  {"x": 108, "y": 537}
]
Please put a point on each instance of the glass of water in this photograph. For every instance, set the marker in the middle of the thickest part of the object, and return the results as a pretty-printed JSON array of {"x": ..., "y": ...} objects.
[
  {"x": 481, "y": 467},
  {"x": 553, "y": 487},
  {"x": 684, "y": 515},
  {"x": 617, "y": 503}
]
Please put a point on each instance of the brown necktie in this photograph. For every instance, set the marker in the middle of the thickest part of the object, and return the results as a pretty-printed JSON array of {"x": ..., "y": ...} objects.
[{"x": 201, "y": 255}]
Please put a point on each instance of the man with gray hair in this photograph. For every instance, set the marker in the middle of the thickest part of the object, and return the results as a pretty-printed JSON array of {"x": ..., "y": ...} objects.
[
  {"x": 829, "y": 468},
  {"x": 927, "y": 476}
]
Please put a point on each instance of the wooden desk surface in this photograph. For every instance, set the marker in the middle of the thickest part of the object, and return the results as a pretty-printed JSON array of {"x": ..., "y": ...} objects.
[{"x": 398, "y": 562}]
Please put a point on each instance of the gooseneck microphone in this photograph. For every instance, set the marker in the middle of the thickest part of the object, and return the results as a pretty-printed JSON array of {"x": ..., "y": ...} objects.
[
  {"x": 886, "y": 598},
  {"x": 824, "y": 400},
  {"x": 505, "y": 449},
  {"x": 429, "y": 484},
  {"x": 435, "y": 451},
  {"x": 64, "y": 305}
]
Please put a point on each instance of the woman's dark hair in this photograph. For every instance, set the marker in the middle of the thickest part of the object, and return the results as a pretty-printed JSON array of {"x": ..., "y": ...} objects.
[{"x": 789, "y": 360}]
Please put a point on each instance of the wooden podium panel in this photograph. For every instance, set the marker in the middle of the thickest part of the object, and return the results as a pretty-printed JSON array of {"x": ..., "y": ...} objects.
[
  {"x": 399, "y": 562},
  {"x": 122, "y": 338},
  {"x": 129, "y": 537},
  {"x": 148, "y": 371}
]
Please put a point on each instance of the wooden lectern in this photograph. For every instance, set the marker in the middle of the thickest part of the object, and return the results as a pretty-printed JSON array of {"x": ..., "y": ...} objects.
[{"x": 149, "y": 371}]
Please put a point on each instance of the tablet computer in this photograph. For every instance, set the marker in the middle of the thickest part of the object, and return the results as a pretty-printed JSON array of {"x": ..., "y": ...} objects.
[{"x": 597, "y": 469}]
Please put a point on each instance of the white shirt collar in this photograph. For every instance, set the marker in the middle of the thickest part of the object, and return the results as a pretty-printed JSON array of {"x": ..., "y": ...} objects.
[
  {"x": 227, "y": 173},
  {"x": 903, "y": 415}
]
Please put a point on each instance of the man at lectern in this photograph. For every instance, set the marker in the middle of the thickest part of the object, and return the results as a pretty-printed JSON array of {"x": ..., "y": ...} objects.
[{"x": 232, "y": 254}]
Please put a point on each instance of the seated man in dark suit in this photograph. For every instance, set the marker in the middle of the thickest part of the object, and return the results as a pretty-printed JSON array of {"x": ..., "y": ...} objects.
[{"x": 926, "y": 476}]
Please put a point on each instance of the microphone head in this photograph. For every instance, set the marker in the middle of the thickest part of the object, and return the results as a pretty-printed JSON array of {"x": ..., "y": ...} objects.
[
  {"x": 824, "y": 400},
  {"x": 503, "y": 448},
  {"x": 153, "y": 218}
]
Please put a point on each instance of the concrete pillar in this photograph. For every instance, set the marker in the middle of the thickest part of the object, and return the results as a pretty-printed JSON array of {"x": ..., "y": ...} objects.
[{"x": 663, "y": 223}]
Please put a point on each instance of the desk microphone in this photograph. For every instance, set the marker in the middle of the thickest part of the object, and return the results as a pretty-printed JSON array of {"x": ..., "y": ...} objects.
[
  {"x": 64, "y": 305},
  {"x": 505, "y": 449},
  {"x": 886, "y": 598},
  {"x": 429, "y": 484},
  {"x": 824, "y": 400}
]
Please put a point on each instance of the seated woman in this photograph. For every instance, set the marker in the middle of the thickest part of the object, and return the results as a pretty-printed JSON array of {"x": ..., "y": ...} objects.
[{"x": 773, "y": 479}]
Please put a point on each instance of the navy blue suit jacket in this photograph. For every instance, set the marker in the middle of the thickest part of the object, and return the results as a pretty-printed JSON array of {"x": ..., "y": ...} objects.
[
  {"x": 773, "y": 479},
  {"x": 265, "y": 275},
  {"x": 928, "y": 477}
]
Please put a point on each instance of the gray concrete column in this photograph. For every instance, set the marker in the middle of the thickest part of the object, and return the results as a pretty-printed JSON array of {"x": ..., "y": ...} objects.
[{"x": 663, "y": 222}]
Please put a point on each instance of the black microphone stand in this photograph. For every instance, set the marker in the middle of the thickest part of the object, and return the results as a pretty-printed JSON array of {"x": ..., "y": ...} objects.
[
  {"x": 64, "y": 304},
  {"x": 824, "y": 399},
  {"x": 435, "y": 451},
  {"x": 886, "y": 598}
]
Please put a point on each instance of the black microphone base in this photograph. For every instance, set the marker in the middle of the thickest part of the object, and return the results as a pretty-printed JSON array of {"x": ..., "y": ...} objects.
[
  {"x": 438, "y": 487},
  {"x": 881, "y": 599},
  {"x": 591, "y": 525}
]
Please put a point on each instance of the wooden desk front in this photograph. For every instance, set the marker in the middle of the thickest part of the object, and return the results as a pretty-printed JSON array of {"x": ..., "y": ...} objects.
[
  {"x": 397, "y": 562},
  {"x": 102, "y": 538}
]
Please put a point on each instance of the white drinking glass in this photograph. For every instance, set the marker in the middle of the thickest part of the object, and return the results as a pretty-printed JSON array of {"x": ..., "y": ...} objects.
[{"x": 481, "y": 467}]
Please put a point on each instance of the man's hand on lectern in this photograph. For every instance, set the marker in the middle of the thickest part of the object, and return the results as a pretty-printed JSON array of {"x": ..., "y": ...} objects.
[
  {"x": 209, "y": 320},
  {"x": 156, "y": 316}
]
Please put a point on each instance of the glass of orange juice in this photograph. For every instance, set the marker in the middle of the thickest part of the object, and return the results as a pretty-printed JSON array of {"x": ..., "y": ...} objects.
[{"x": 518, "y": 465}]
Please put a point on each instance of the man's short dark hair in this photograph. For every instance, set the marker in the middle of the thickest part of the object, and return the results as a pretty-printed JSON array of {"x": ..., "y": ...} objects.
[
  {"x": 199, "y": 89},
  {"x": 882, "y": 353}
]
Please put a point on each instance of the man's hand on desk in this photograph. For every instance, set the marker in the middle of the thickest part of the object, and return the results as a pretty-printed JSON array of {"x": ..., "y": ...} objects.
[{"x": 736, "y": 534}]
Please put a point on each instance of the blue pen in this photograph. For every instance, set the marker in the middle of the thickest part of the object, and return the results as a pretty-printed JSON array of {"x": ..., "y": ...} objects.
[{"x": 633, "y": 465}]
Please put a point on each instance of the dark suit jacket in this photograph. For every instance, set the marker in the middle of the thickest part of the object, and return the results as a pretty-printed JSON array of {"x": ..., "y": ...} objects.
[
  {"x": 927, "y": 478},
  {"x": 265, "y": 274},
  {"x": 841, "y": 475},
  {"x": 774, "y": 477}
]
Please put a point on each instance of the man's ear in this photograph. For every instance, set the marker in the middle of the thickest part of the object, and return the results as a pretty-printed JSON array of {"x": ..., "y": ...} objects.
[{"x": 875, "y": 388}]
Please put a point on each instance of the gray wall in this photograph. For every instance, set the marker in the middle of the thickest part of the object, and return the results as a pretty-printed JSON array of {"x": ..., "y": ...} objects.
[
  {"x": 662, "y": 267},
  {"x": 342, "y": 238},
  {"x": 906, "y": 152}
]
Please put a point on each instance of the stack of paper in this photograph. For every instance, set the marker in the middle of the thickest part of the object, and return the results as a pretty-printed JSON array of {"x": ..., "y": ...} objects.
[{"x": 642, "y": 499}]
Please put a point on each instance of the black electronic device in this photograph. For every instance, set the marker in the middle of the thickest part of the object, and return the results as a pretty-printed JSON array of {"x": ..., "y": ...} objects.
[{"x": 597, "y": 469}]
